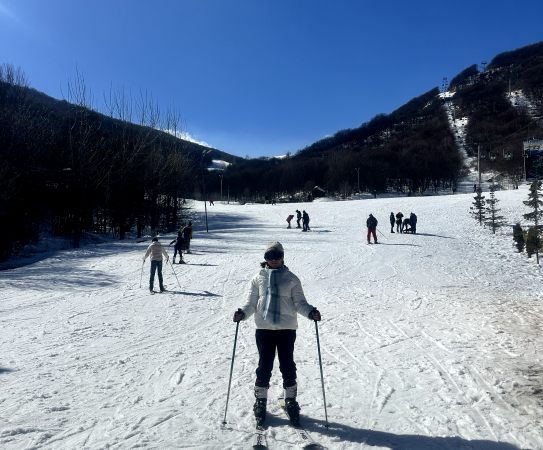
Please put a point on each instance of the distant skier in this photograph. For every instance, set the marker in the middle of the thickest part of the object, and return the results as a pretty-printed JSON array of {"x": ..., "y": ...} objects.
[
  {"x": 406, "y": 225},
  {"x": 413, "y": 223},
  {"x": 211, "y": 202},
  {"x": 289, "y": 218},
  {"x": 399, "y": 227},
  {"x": 374, "y": 193},
  {"x": 371, "y": 223},
  {"x": 178, "y": 246},
  {"x": 305, "y": 221},
  {"x": 156, "y": 251},
  {"x": 275, "y": 297},
  {"x": 475, "y": 188},
  {"x": 392, "y": 222},
  {"x": 187, "y": 235},
  {"x": 298, "y": 218}
]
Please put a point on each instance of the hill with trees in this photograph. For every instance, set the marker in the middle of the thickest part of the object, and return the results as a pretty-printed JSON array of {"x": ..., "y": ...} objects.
[
  {"x": 68, "y": 169},
  {"x": 415, "y": 146}
]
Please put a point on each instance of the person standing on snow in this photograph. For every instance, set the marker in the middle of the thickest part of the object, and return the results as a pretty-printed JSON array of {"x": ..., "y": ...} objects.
[
  {"x": 178, "y": 245},
  {"x": 392, "y": 222},
  {"x": 298, "y": 218},
  {"x": 305, "y": 221},
  {"x": 187, "y": 235},
  {"x": 275, "y": 297},
  {"x": 371, "y": 223},
  {"x": 156, "y": 251},
  {"x": 399, "y": 226},
  {"x": 413, "y": 223}
]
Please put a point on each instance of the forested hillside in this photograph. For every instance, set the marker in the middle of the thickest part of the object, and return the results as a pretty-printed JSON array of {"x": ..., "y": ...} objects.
[
  {"x": 412, "y": 147},
  {"x": 498, "y": 120},
  {"x": 66, "y": 169},
  {"x": 415, "y": 145}
]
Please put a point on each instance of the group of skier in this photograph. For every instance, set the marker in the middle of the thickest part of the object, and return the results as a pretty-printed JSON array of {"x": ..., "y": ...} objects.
[
  {"x": 407, "y": 225},
  {"x": 156, "y": 253},
  {"x": 304, "y": 217}
]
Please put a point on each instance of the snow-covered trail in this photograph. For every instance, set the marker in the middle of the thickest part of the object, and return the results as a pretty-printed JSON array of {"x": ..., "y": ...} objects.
[{"x": 429, "y": 341}]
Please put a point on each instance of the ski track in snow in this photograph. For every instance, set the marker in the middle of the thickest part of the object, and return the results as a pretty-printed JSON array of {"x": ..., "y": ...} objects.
[{"x": 428, "y": 341}]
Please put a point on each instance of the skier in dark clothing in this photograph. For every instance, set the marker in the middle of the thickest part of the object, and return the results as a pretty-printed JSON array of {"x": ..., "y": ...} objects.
[
  {"x": 371, "y": 223},
  {"x": 298, "y": 218},
  {"x": 399, "y": 227},
  {"x": 413, "y": 223},
  {"x": 392, "y": 222},
  {"x": 178, "y": 246},
  {"x": 305, "y": 221},
  {"x": 406, "y": 225},
  {"x": 275, "y": 297}
]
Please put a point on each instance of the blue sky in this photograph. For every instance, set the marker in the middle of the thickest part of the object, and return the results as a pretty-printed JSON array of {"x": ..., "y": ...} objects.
[{"x": 257, "y": 77}]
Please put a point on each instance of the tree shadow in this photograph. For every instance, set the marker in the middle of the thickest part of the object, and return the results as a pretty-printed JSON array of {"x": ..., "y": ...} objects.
[{"x": 402, "y": 441}]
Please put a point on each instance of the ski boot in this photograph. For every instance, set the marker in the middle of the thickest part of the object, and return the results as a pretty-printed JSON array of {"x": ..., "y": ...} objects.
[
  {"x": 293, "y": 409},
  {"x": 259, "y": 408}
]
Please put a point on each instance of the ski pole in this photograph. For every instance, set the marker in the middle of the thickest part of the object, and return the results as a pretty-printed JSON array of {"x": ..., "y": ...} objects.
[
  {"x": 322, "y": 377},
  {"x": 175, "y": 275},
  {"x": 141, "y": 277},
  {"x": 381, "y": 233},
  {"x": 231, "y": 370}
]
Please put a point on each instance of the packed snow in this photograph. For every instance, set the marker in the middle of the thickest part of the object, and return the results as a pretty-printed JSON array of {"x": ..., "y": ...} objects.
[{"x": 429, "y": 341}]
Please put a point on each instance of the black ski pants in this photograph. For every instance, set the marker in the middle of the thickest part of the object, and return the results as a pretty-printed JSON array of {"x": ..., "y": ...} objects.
[{"x": 267, "y": 341}]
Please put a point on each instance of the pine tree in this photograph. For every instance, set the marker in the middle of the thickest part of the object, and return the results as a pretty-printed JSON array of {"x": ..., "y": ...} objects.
[
  {"x": 494, "y": 220},
  {"x": 533, "y": 241},
  {"x": 478, "y": 209},
  {"x": 518, "y": 237}
]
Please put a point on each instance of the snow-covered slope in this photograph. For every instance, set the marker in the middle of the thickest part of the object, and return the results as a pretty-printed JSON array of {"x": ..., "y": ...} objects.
[{"x": 429, "y": 341}]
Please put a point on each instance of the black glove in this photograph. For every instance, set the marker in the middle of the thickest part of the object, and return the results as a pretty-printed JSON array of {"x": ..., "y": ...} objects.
[
  {"x": 315, "y": 315},
  {"x": 239, "y": 315}
]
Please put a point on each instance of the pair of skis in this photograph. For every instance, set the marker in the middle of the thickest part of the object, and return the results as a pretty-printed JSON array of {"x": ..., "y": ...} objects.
[
  {"x": 305, "y": 440},
  {"x": 160, "y": 292}
]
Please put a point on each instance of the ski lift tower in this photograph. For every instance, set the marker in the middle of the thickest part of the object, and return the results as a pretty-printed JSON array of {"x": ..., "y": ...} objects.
[
  {"x": 444, "y": 85},
  {"x": 484, "y": 63}
]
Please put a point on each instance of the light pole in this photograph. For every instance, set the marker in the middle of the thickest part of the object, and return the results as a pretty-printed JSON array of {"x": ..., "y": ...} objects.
[
  {"x": 221, "y": 186},
  {"x": 358, "y": 173},
  {"x": 479, "y": 163},
  {"x": 205, "y": 152}
]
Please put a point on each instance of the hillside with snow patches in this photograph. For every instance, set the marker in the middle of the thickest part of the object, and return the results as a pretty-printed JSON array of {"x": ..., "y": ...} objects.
[{"x": 429, "y": 341}]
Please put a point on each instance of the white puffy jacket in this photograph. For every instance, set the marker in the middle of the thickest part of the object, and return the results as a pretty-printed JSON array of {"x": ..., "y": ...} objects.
[
  {"x": 156, "y": 250},
  {"x": 292, "y": 301}
]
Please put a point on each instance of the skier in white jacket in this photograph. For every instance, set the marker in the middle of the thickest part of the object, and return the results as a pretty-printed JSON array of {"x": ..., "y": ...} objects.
[
  {"x": 156, "y": 251},
  {"x": 275, "y": 297}
]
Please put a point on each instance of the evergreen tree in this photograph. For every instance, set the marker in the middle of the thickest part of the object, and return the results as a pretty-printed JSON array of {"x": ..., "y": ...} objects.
[
  {"x": 534, "y": 202},
  {"x": 518, "y": 237},
  {"x": 478, "y": 209},
  {"x": 494, "y": 220}
]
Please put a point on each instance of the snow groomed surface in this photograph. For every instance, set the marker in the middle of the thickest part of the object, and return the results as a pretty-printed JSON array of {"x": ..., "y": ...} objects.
[{"x": 429, "y": 341}]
